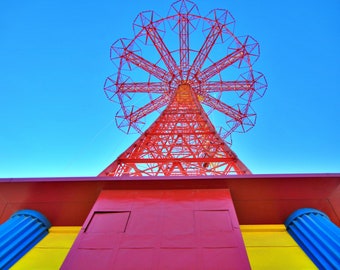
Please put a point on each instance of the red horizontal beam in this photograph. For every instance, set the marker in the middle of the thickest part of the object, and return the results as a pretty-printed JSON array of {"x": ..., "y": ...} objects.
[
  {"x": 182, "y": 160},
  {"x": 258, "y": 199}
]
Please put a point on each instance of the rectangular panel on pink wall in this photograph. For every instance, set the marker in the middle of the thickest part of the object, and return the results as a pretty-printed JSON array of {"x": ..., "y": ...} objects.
[{"x": 160, "y": 229}]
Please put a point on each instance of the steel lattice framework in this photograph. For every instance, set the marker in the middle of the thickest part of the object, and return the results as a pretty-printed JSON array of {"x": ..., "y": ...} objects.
[{"x": 172, "y": 68}]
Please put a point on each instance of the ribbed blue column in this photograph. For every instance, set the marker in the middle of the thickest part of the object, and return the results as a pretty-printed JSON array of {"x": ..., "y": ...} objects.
[
  {"x": 317, "y": 235},
  {"x": 22, "y": 231}
]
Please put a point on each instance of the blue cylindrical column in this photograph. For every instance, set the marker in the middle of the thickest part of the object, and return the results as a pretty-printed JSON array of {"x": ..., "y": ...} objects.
[
  {"x": 317, "y": 235},
  {"x": 22, "y": 231}
]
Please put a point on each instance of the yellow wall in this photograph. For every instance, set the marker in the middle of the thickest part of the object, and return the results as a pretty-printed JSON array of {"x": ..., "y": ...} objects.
[
  {"x": 268, "y": 247},
  {"x": 51, "y": 251},
  {"x": 271, "y": 247}
]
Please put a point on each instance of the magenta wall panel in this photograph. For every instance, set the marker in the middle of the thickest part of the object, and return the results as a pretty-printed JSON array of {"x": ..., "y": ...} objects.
[{"x": 160, "y": 229}]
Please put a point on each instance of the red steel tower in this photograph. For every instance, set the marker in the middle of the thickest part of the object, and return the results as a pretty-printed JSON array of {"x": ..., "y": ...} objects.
[
  {"x": 193, "y": 81},
  {"x": 172, "y": 68}
]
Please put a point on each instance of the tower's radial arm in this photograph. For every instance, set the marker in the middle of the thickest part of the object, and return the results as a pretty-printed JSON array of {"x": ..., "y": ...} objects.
[
  {"x": 223, "y": 108},
  {"x": 148, "y": 108},
  {"x": 218, "y": 86},
  {"x": 184, "y": 43},
  {"x": 143, "y": 87},
  {"x": 203, "y": 53},
  {"x": 161, "y": 48},
  {"x": 220, "y": 65},
  {"x": 144, "y": 64}
]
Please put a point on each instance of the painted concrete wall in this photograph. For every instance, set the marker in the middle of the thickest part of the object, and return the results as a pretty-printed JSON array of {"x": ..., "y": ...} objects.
[
  {"x": 271, "y": 247},
  {"x": 50, "y": 252},
  {"x": 268, "y": 247}
]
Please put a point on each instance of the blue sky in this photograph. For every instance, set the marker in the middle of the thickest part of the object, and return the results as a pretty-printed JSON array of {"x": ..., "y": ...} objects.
[{"x": 54, "y": 58}]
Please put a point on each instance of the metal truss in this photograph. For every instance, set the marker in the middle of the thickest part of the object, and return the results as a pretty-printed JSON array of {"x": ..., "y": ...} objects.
[{"x": 171, "y": 68}]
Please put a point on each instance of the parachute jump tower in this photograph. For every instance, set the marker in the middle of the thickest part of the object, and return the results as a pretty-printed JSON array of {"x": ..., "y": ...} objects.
[
  {"x": 186, "y": 68},
  {"x": 187, "y": 73},
  {"x": 176, "y": 197}
]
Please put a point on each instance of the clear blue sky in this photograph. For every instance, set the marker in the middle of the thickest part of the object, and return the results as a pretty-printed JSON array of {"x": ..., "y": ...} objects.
[{"x": 54, "y": 57}]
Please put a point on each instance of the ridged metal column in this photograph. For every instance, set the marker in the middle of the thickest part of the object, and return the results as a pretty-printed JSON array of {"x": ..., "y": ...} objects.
[
  {"x": 22, "y": 231},
  {"x": 317, "y": 235}
]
